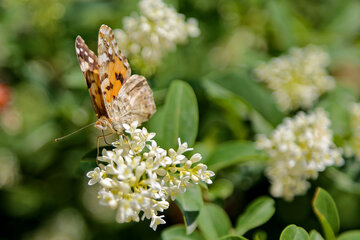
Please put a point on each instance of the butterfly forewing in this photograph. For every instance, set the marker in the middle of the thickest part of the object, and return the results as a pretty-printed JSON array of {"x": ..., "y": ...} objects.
[
  {"x": 89, "y": 66},
  {"x": 114, "y": 69}
]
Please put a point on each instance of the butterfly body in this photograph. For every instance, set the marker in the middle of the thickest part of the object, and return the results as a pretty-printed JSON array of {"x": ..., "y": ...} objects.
[{"x": 117, "y": 96}]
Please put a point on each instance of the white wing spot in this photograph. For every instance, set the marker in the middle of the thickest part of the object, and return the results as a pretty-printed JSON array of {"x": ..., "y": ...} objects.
[
  {"x": 84, "y": 66},
  {"x": 102, "y": 58},
  {"x": 91, "y": 60},
  {"x": 105, "y": 31},
  {"x": 77, "y": 50},
  {"x": 86, "y": 53},
  {"x": 110, "y": 51}
]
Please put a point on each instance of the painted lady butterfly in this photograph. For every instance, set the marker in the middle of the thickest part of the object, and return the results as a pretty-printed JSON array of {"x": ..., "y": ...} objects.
[{"x": 117, "y": 96}]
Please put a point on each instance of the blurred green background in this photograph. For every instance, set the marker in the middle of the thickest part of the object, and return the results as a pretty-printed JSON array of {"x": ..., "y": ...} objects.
[{"x": 44, "y": 192}]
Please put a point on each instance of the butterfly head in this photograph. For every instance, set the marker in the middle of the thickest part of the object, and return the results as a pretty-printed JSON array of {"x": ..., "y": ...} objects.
[{"x": 103, "y": 123}]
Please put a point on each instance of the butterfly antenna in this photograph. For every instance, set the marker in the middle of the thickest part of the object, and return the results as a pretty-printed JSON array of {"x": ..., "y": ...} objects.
[{"x": 68, "y": 135}]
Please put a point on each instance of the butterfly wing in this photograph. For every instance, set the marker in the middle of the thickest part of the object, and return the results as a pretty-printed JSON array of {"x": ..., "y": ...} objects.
[
  {"x": 134, "y": 102},
  {"x": 114, "y": 68},
  {"x": 127, "y": 98},
  {"x": 89, "y": 66}
]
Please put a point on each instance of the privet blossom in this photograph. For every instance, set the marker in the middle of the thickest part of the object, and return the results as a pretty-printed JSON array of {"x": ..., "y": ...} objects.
[
  {"x": 146, "y": 38},
  {"x": 299, "y": 148},
  {"x": 138, "y": 176},
  {"x": 298, "y": 79}
]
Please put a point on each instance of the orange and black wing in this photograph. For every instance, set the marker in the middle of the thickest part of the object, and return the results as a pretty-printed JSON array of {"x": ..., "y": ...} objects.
[
  {"x": 90, "y": 68},
  {"x": 114, "y": 68}
]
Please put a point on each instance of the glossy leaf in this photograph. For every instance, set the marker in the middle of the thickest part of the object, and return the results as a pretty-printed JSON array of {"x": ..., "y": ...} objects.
[
  {"x": 260, "y": 235},
  {"x": 279, "y": 10},
  {"x": 256, "y": 214},
  {"x": 190, "y": 204},
  {"x": 155, "y": 124},
  {"x": 252, "y": 93},
  {"x": 293, "y": 232},
  {"x": 181, "y": 115},
  {"x": 234, "y": 152},
  {"x": 347, "y": 22},
  {"x": 326, "y": 211},
  {"x": 233, "y": 237},
  {"x": 213, "y": 222},
  {"x": 350, "y": 235},
  {"x": 339, "y": 116},
  {"x": 314, "y": 235},
  {"x": 221, "y": 188},
  {"x": 178, "y": 232}
]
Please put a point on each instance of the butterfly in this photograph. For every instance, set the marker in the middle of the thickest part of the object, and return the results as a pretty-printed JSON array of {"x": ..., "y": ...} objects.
[{"x": 117, "y": 96}]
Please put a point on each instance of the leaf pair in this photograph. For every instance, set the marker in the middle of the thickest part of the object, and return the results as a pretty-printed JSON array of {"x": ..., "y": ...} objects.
[
  {"x": 214, "y": 223},
  {"x": 327, "y": 213}
]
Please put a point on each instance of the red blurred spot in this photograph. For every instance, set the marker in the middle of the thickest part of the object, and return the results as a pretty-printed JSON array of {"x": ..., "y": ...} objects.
[{"x": 5, "y": 93}]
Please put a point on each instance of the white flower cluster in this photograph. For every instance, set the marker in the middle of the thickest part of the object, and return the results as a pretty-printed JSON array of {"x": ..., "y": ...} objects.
[
  {"x": 299, "y": 148},
  {"x": 139, "y": 176},
  {"x": 355, "y": 128},
  {"x": 297, "y": 80},
  {"x": 157, "y": 30}
]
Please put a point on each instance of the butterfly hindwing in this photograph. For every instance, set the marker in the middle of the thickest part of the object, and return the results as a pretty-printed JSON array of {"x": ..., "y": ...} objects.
[
  {"x": 134, "y": 101},
  {"x": 114, "y": 68},
  {"x": 89, "y": 66}
]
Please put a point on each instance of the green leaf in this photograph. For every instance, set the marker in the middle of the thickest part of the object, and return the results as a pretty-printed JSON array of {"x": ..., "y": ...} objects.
[
  {"x": 326, "y": 211},
  {"x": 256, "y": 214},
  {"x": 283, "y": 32},
  {"x": 350, "y": 235},
  {"x": 221, "y": 188},
  {"x": 314, "y": 235},
  {"x": 347, "y": 21},
  {"x": 22, "y": 201},
  {"x": 234, "y": 107},
  {"x": 181, "y": 115},
  {"x": 260, "y": 235},
  {"x": 293, "y": 232},
  {"x": 339, "y": 116},
  {"x": 178, "y": 232},
  {"x": 156, "y": 123},
  {"x": 253, "y": 94},
  {"x": 233, "y": 237},
  {"x": 259, "y": 123},
  {"x": 343, "y": 181},
  {"x": 190, "y": 204},
  {"x": 213, "y": 222},
  {"x": 234, "y": 152}
]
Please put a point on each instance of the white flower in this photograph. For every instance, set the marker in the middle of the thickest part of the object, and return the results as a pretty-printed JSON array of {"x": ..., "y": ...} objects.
[
  {"x": 139, "y": 176},
  {"x": 299, "y": 148},
  {"x": 147, "y": 37},
  {"x": 94, "y": 175},
  {"x": 156, "y": 220},
  {"x": 298, "y": 79}
]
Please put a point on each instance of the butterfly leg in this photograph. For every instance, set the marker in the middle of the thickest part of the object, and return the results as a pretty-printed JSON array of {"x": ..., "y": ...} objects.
[
  {"x": 105, "y": 137},
  {"x": 98, "y": 144}
]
